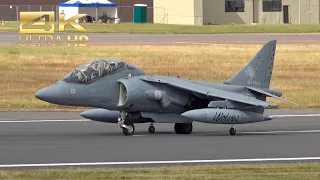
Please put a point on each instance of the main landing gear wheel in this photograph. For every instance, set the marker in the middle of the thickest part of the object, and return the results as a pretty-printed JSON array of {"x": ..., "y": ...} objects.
[
  {"x": 126, "y": 124},
  {"x": 232, "y": 131},
  {"x": 151, "y": 129},
  {"x": 128, "y": 130},
  {"x": 183, "y": 128}
]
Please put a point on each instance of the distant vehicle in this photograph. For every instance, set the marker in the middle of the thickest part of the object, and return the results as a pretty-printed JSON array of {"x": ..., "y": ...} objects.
[{"x": 126, "y": 95}]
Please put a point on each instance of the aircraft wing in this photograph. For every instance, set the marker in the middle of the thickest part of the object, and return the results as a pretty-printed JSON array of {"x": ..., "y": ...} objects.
[{"x": 207, "y": 91}]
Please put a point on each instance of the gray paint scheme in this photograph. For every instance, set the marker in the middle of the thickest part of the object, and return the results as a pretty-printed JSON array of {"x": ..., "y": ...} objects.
[{"x": 131, "y": 96}]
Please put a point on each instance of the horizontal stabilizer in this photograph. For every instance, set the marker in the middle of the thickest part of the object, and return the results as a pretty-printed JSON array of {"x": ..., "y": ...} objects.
[{"x": 261, "y": 91}]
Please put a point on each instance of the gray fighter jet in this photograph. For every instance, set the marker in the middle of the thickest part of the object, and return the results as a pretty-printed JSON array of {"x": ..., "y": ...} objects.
[{"x": 126, "y": 95}]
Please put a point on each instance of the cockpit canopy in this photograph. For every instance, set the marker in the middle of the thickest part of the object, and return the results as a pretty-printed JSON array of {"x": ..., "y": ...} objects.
[{"x": 93, "y": 71}]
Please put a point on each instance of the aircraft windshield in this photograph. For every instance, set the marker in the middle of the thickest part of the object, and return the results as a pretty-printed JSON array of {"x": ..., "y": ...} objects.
[{"x": 93, "y": 71}]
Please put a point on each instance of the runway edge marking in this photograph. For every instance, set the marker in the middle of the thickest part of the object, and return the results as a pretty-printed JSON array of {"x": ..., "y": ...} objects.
[
  {"x": 279, "y": 132},
  {"x": 49, "y": 120},
  {"x": 297, "y": 115},
  {"x": 86, "y": 120},
  {"x": 160, "y": 162}
]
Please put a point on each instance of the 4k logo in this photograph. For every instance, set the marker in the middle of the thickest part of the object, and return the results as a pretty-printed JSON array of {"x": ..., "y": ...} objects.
[
  {"x": 43, "y": 22},
  {"x": 38, "y": 28}
]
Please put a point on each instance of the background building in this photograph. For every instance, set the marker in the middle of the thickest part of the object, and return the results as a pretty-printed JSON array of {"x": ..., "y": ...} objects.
[
  {"x": 125, "y": 9},
  {"x": 193, "y": 12},
  {"x": 198, "y": 12},
  {"x": 179, "y": 11}
]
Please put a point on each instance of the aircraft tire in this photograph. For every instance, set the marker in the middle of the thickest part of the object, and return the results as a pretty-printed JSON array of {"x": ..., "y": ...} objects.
[
  {"x": 177, "y": 128},
  {"x": 151, "y": 129},
  {"x": 128, "y": 132},
  {"x": 183, "y": 128},
  {"x": 232, "y": 131}
]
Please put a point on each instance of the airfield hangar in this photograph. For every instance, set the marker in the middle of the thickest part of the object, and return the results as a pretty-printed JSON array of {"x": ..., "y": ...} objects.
[{"x": 199, "y": 12}]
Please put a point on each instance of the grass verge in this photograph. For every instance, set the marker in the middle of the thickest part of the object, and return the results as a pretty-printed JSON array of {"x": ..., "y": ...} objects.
[
  {"x": 149, "y": 28},
  {"x": 25, "y": 70},
  {"x": 224, "y": 172}
]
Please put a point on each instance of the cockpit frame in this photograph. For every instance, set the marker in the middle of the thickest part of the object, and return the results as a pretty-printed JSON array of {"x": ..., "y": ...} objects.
[{"x": 93, "y": 71}]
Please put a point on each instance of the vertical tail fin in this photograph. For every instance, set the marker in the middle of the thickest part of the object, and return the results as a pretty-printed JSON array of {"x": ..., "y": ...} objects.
[{"x": 258, "y": 71}]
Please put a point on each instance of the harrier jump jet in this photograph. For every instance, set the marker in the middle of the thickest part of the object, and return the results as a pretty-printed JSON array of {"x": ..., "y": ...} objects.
[{"x": 126, "y": 95}]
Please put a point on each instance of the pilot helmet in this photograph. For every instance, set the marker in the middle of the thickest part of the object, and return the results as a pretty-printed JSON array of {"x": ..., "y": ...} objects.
[{"x": 112, "y": 65}]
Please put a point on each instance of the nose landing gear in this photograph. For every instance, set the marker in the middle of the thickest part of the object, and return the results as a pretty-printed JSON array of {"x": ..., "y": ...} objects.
[
  {"x": 128, "y": 130},
  {"x": 126, "y": 124}
]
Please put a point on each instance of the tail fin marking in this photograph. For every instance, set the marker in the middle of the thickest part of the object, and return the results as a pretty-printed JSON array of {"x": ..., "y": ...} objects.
[{"x": 258, "y": 72}]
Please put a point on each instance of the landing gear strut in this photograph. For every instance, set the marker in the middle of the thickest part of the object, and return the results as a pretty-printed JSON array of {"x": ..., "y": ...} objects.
[
  {"x": 125, "y": 123},
  {"x": 233, "y": 130},
  {"x": 183, "y": 128},
  {"x": 151, "y": 128}
]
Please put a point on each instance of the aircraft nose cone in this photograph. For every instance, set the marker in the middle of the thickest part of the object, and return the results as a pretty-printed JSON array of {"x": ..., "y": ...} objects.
[
  {"x": 48, "y": 94},
  {"x": 42, "y": 94}
]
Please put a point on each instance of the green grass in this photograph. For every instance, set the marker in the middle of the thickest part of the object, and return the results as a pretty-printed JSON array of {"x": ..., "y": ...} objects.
[
  {"x": 184, "y": 29},
  {"x": 221, "y": 172}
]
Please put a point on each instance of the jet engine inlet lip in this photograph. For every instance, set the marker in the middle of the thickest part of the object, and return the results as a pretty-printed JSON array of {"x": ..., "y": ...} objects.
[{"x": 123, "y": 94}]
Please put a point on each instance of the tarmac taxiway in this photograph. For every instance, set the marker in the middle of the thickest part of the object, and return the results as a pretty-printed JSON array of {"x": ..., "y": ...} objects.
[
  {"x": 155, "y": 39},
  {"x": 50, "y": 139}
]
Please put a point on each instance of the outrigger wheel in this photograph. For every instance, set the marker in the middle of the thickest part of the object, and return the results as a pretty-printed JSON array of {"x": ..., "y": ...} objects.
[
  {"x": 233, "y": 131},
  {"x": 151, "y": 129}
]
